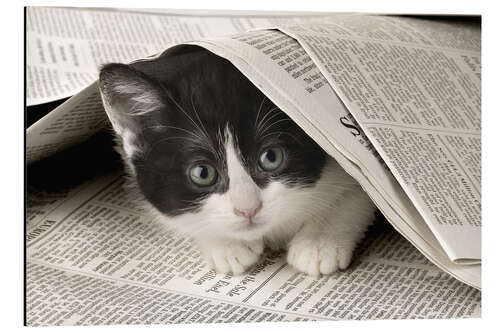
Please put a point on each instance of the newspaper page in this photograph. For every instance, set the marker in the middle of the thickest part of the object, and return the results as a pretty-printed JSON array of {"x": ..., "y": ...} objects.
[
  {"x": 94, "y": 257},
  {"x": 74, "y": 121},
  {"x": 66, "y": 46},
  {"x": 277, "y": 64},
  {"x": 414, "y": 87},
  {"x": 274, "y": 61}
]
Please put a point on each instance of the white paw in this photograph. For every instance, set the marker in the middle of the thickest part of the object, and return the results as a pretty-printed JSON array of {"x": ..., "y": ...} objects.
[
  {"x": 316, "y": 257},
  {"x": 234, "y": 256}
]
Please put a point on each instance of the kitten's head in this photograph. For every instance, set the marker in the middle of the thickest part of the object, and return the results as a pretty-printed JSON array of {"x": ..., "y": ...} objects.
[{"x": 208, "y": 150}]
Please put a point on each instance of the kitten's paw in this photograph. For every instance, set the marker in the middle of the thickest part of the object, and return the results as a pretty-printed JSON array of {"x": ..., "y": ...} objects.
[
  {"x": 316, "y": 257},
  {"x": 234, "y": 256}
]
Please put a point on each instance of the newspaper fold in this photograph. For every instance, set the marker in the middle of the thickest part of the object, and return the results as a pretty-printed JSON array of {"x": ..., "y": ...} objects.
[{"x": 414, "y": 88}]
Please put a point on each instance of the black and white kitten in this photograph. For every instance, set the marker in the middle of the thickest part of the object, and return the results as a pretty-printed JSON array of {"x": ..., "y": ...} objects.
[{"x": 223, "y": 165}]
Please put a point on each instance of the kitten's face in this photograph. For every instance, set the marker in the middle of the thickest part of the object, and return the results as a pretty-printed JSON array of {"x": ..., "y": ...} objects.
[{"x": 208, "y": 150}]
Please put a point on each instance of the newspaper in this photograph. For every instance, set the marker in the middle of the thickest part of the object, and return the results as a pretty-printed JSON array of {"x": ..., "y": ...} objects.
[
  {"x": 95, "y": 258},
  {"x": 66, "y": 46},
  {"x": 419, "y": 103}
]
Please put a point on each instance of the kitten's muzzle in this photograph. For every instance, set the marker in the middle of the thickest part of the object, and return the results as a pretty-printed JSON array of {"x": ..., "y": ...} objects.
[{"x": 248, "y": 213}]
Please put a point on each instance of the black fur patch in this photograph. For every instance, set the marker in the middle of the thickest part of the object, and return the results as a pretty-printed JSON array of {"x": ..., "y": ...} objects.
[{"x": 202, "y": 93}]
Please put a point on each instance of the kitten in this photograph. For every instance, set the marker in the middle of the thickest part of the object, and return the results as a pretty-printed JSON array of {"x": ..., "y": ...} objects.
[{"x": 225, "y": 166}]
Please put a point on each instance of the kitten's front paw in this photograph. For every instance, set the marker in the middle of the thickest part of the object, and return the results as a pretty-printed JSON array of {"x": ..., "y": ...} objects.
[
  {"x": 234, "y": 256},
  {"x": 315, "y": 257}
]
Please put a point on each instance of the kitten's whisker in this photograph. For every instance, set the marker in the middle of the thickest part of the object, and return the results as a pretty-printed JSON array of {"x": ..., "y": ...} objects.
[
  {"x": 265, "y": 115},
  {"x": 173, "y": 138},
  {"x": 201, "y": 132},
  {"x": 260, "y": 109},
  {"x": 320, "y": 199},
  {"x": 316, "y": 216},
  {"x": 197, "y": 116},
  {"x": 259, "y": 125},
  {"x": 275, "y": 123},
  {"x": 197, "y": 201},
  {"x": 180, "y": 129},
  {"x": 192, "y": 121},
  {"x": 285, "y": 133},
  {"x": 263, "y": 124},
  {"x": 184, "y": 111},
  {"x": 220, "y": 138},
  {"x": 202, "y": 125},
  {"x": 196, "y": 144}
]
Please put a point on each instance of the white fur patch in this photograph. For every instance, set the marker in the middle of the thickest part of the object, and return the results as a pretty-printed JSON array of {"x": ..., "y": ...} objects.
[
  {"x": 243, "y": 193},
  {"x": 320, "y": 224}
]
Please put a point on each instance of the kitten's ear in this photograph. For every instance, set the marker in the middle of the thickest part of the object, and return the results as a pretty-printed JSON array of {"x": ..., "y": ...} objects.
[{"x": 130, "y": 98}]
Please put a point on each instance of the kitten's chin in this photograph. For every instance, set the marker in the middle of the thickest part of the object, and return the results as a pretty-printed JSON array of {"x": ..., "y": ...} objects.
[{"x": 249, "y": 230}]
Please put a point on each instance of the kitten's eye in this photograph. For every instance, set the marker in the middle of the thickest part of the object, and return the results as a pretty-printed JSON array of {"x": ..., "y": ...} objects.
[
  {"x": 203, "y": 174},
  {"x": 271, "y": 159}
]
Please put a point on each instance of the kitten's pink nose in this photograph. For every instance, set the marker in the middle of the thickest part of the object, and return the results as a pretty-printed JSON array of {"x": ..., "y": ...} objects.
[{"x": 248, "y": 212}]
